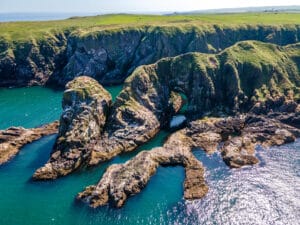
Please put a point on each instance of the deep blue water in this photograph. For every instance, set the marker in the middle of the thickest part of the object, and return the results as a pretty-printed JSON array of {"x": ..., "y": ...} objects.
[
  {"x": 267, "y": 193},
  {"x": 43, "y": 16}
]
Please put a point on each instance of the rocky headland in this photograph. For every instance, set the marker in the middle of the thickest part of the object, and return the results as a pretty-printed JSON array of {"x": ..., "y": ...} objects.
[
  {"x": 244, "y": 96},
  {"x": 14, "y": 138}
]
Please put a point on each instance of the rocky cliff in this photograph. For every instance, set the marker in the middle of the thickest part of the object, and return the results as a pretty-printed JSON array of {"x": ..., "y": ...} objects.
[{"x": 111, "y": 55}]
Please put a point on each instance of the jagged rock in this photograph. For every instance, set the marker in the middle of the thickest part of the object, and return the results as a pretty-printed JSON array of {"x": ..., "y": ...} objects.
[
  {"x": 123, "y": 180},
  {"x": 85, "y": 106},
  {"x": 213, "y": 85},
  {"x": 239, "y": 135},
  {"x": 258, "y": 130},
  {"x": 14, "y": 138}
]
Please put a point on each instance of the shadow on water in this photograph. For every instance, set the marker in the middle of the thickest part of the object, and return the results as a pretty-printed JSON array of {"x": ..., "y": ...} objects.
[{"x": 42, "y": 156}]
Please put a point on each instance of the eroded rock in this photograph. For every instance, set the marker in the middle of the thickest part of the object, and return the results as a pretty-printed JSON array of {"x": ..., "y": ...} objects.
[
  {"x": 123, "y": 180},
  {"x": 236, "y": 138},
  {"x": 214, "y": 84},
  {"x": 14, "y": 138},
  {"x": 85, "y": 107}
]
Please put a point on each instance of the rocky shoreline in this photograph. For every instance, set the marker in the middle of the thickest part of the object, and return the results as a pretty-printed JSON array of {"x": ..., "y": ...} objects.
[
  {"x": 14, "y": 138},
  {"x": 244, "y": 96},
  {"x": 235, "y": 137}
]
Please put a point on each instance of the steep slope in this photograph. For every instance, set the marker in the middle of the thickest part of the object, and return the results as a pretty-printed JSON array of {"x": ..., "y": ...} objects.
[{"x": 111, "y": 54}]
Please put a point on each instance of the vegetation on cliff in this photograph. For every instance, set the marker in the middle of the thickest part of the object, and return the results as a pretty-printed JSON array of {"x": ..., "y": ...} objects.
[
  {"x": 108, "y": 48},
  {"x": 22, "y": 31}
]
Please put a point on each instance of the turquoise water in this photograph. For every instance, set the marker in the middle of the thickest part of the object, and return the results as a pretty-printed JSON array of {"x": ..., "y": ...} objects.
[
  {"x": 268, "y": 193},
  {"x": 31, "y": 107}
]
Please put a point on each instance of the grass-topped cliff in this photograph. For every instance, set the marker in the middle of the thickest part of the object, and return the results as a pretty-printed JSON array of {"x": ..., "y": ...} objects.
[
  {"x": 235, "y": 80},
  {"x": 22, "y": 31},
  {"x": 110, "y": 47}
]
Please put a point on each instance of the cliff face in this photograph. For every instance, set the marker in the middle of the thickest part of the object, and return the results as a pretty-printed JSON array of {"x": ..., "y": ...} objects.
[
  {"x": 247, "y": 76},
  {"x": 31, "y": 62},
  {"x": 110, "y": 56}
]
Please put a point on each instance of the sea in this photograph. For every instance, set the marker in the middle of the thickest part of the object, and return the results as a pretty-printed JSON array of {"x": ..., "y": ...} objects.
[
  {"x": 40, "y": 16},
  {"x": 267, "y": 193}
]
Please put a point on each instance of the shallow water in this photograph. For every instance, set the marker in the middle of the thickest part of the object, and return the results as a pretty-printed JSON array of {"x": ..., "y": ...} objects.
[{"x": 268, "y": 193}]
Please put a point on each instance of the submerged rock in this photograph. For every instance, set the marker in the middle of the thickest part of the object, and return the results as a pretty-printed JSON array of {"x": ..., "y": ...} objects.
[{"x": 14, "y": 138}]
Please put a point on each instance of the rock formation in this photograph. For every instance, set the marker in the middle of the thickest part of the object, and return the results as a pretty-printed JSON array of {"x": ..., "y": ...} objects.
[
  {"x": 14, "y": 138},
  {"x": 255, "y": 82},
  {"x": 247, "y": 76},
  {"x": 235, "y": 137},
  {"x": 85, "y": 106}
]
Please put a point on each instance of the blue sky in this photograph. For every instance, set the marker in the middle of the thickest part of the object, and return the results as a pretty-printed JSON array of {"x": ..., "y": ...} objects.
[{"x": 114, "y": 6}]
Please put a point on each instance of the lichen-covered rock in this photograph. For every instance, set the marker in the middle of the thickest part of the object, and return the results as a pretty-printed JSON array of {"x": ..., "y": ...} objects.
[
  {"x": 85, "y": 107},
  {"x": 14, "y": 138}
]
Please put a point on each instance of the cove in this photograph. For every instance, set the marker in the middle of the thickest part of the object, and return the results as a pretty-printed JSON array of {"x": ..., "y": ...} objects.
[{"x": 262, "y": 194}]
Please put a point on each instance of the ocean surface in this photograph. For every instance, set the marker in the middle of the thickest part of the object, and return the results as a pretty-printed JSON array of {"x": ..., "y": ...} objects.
[
  {"x": 267, "y": 193},
  {"x": 10, "y": 17}
]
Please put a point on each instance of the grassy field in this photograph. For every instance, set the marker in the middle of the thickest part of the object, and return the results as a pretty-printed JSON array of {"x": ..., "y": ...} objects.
[{"x": 19, "y": 31}]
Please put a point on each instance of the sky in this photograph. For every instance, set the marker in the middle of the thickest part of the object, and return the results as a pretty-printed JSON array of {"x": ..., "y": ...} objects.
[{"x": 116, "y": 6}]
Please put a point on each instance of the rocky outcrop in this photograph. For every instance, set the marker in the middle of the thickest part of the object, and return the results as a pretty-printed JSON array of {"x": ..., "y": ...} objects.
[
  {"x": 235, "y": 137},
  {"x": 111, "y": 55},
  {"x": 85, "y": 107},
  {"x": 123, "y": 180},
  {"x": 247, "y": 76},
  {"x": 14, "y": 138}
]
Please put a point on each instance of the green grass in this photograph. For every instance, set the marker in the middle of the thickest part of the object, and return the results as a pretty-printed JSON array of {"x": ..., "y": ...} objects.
[{"x": 23, "y": 31}]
